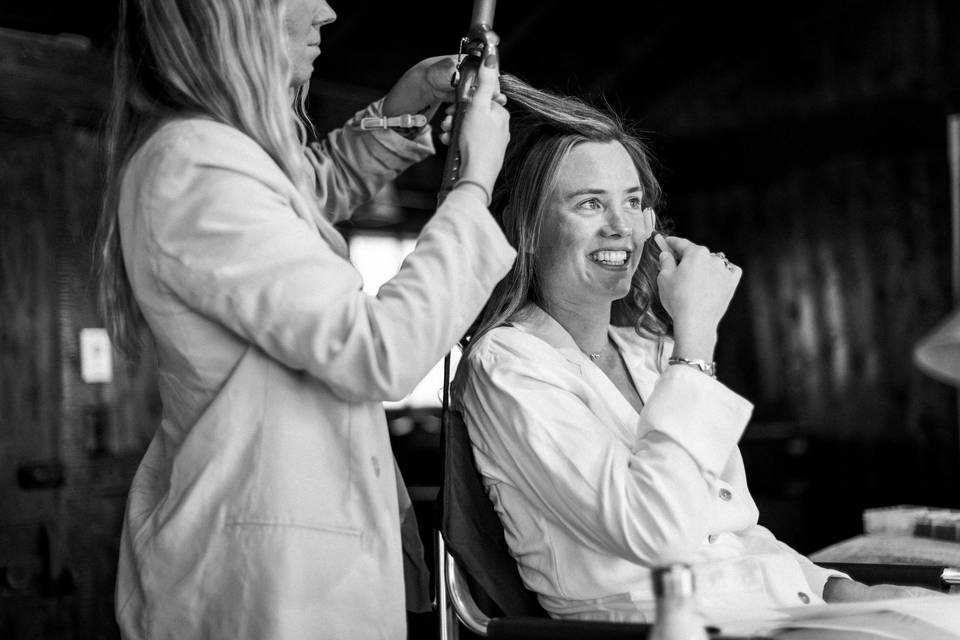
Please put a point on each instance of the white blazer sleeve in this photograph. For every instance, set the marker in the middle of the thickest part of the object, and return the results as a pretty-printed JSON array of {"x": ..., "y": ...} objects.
[
  {"x": 649, "y": 503},
  {"x": 759, "y": 539},
  {"x": 229, "y": 245},
  {"x": 351, "y": 165}
]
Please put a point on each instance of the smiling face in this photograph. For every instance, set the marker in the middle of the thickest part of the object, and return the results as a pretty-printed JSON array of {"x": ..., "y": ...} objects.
[
  {"x": 593, "y": 229},
  {"x": 302, "y": 22}
]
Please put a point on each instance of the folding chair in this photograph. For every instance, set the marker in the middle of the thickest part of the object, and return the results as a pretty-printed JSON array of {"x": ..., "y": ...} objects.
[{"x": 478, "y": 585}]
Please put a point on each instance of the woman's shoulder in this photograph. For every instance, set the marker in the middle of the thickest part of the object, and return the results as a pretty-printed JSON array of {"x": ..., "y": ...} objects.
[
  {"x": 186, "y": 141},
  {"x": 184, "y": 154},
  {"x": 509, "y": 342}
]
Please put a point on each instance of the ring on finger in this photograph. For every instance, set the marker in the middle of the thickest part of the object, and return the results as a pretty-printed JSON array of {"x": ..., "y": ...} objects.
[{"x": 720, "y": 254}]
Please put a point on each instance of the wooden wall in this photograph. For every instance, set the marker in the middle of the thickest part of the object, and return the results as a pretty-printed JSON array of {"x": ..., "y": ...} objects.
[
  {"x": 68, "y": 449},
  {"x": 814, "y": 154}
]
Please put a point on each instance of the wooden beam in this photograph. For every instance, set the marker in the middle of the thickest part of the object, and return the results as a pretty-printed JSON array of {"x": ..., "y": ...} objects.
[{"x": 47, "y": 79}]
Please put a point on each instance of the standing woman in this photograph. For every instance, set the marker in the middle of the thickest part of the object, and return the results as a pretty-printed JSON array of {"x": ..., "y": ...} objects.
[{"x": 268, "y": 504}]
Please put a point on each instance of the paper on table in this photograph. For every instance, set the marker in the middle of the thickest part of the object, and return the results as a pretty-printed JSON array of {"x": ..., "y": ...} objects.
[{"x": 930, "y": 618}]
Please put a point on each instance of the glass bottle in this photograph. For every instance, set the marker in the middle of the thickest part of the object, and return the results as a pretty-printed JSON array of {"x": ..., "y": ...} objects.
[{"x": 677, "y": 616}]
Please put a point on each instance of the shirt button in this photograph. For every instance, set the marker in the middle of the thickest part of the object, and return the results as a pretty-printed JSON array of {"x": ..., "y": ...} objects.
[
  {"x": 725, "y": 495},
  {"x": 712, "y": 538},
  {"x": 804, "y": 598}
]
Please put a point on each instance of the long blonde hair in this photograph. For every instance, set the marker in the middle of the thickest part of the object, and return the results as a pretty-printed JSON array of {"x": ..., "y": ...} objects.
[{"x": 221, "y": 59}]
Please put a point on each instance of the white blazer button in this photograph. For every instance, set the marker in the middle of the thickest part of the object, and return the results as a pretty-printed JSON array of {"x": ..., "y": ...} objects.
[
  {"x": 712, "y": 538},
  {"x": 725, "y": 495},
  {"x": 804, "y": 598}
]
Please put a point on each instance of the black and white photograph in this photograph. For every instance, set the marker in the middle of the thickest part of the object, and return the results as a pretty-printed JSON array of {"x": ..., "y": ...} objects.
[{"x": 455, "y": 319}]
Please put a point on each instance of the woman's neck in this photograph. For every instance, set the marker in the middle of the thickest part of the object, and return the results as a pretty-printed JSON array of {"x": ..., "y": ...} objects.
[{"x": 587, "y": 325}]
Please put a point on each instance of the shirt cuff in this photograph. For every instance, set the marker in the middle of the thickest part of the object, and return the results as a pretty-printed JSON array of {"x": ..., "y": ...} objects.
[{"x": 699, "y": 413}]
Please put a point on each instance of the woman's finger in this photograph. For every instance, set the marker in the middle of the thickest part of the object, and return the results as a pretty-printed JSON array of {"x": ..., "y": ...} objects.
[
  {"x": 488, "y": 79},
  {"x": 679, "y": 245},
  {"x": 437, "y": 78},
  {"x": 668, "y": 263}
]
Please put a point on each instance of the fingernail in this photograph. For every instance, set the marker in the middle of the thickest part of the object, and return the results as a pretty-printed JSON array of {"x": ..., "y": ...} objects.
[{"x": 491, "y": 61}]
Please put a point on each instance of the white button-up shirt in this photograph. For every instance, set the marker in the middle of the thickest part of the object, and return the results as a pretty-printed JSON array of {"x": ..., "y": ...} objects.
[{"x": 592, "y": 494}]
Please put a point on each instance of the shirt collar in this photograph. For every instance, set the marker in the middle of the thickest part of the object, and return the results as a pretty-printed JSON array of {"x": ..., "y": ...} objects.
[{"x": 537, "y": 322}]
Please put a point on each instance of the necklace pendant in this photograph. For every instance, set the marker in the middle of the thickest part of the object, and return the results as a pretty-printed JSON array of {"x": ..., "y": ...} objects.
[{"x": 594, "y": 356}]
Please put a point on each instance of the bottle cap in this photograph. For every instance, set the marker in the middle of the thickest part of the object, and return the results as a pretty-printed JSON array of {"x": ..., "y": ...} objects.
[{"x": 673, "y": 580}]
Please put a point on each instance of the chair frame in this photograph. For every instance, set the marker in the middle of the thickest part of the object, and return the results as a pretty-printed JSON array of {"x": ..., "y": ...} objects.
[{"x": 454, "y": 601}]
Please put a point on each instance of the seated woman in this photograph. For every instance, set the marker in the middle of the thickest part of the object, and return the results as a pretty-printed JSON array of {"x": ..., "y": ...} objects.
[{"x": 604, "y": 439}]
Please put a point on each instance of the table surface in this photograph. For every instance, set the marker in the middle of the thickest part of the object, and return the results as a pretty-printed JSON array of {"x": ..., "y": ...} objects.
[{"x": 891, "y": 549}]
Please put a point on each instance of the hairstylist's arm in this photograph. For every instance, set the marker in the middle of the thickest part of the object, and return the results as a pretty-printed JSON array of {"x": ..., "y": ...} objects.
[
  {"x": 231, "y": 247},
  {"x": 352, "y": 165},
  {"x": 696, "y": 288}
]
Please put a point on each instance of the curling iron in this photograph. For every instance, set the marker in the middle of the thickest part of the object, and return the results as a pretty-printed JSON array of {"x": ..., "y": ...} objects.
[{"x": 479, "y": 42}]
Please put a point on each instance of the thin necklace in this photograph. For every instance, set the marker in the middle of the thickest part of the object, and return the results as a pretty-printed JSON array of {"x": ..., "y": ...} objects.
[{"x": 596, "y": 356}]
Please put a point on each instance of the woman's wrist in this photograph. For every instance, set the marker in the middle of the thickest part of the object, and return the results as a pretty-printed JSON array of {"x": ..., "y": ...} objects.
[
  {"x": 473, "y": 186},
  {"x": 694, "y": 345}
]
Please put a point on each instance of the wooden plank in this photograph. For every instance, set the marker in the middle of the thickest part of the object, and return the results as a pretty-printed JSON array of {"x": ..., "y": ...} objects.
[{"x": 46, "y": 79}]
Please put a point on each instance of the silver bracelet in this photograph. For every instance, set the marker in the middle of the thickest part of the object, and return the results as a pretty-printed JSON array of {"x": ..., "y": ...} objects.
[
  {"x": 709, "y": 368},
  {"x": 486, "y": 194}
]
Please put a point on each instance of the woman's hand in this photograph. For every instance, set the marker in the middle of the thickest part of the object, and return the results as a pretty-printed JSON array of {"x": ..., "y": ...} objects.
[
  {"x": 422, "y": 88},
  {"x": 446, "y": 125},
  {"x": 845, "y": 590},
  {"x": 696, "y": 287},
  {"x": 485, "y": 129}
]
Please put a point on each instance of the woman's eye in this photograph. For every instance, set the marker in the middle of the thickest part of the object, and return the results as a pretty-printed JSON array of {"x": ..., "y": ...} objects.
[
  {"x": 635, "y": 203},
  {"x": 592, "y": 203}
]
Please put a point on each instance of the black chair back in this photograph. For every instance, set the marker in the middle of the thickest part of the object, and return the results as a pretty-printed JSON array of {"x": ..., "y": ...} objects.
[{"x": 472, "y": 529}]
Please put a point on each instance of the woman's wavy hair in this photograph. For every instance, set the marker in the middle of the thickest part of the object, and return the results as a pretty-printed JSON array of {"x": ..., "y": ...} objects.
[
  {"x": 221, "y": 59},
  {"x": 544, "y": 127}
]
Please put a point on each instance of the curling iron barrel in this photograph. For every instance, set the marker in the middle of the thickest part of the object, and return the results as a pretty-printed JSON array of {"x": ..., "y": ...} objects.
[{"x": 480, "y": 42}]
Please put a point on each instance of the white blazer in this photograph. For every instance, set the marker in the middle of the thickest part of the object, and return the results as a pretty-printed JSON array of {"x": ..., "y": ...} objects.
[
  {"x": 268, "y": 503},
  {"x": 592, "y": 494}
]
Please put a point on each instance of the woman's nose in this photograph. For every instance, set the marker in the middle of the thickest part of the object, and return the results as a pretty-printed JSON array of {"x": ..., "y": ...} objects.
[
  {"x": 325, "y": 15},
  {"x": 617, "y": 224}
]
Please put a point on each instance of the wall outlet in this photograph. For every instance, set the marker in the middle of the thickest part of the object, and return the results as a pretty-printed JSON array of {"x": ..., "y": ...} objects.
[{"x": 96, "y": 356}]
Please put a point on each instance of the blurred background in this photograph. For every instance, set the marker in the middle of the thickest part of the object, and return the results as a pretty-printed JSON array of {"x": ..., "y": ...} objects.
[{"x": 807, "y": 140}]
